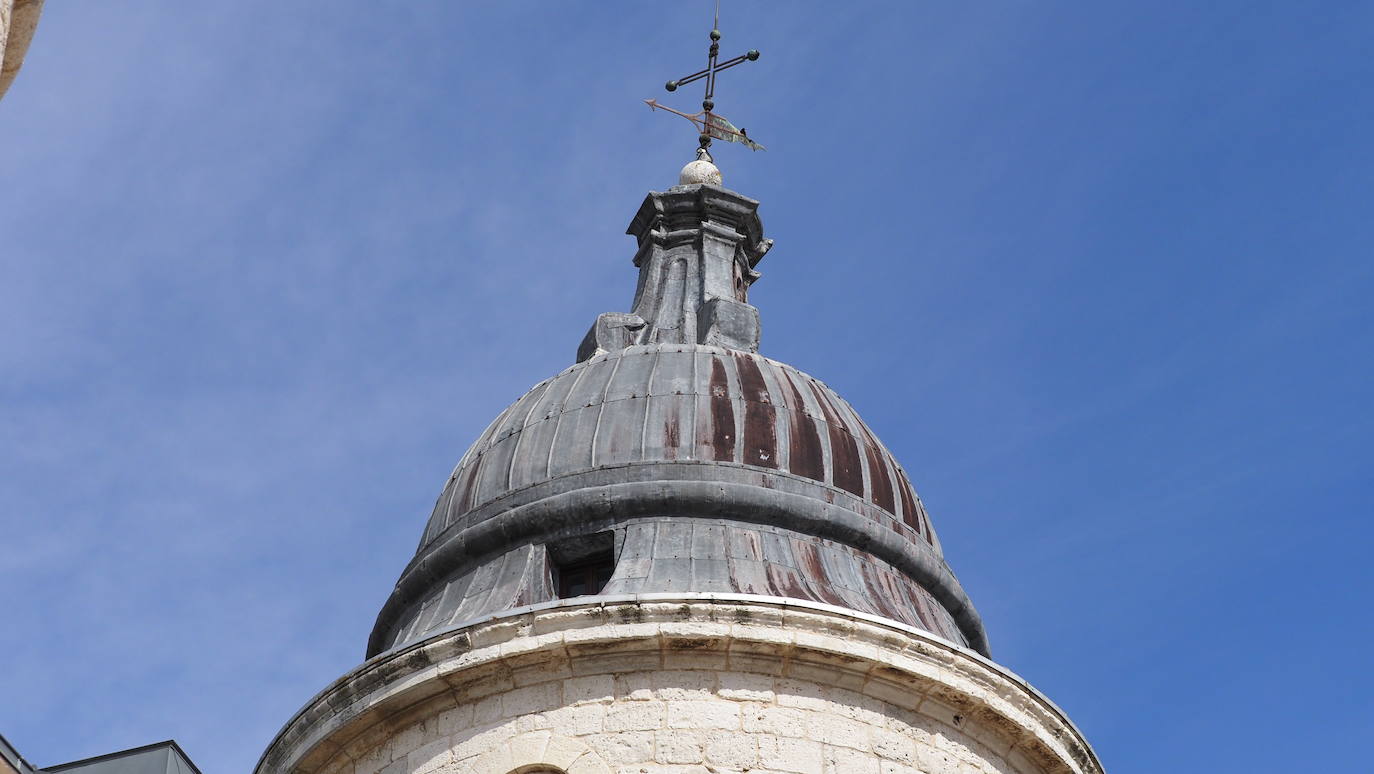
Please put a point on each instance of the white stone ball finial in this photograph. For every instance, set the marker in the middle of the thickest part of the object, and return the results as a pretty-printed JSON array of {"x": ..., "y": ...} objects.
[{"x": 700, "y": 171}]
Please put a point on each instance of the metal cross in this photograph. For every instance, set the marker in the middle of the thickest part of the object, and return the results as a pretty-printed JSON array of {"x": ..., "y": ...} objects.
[{"x": 709, "y": 123}]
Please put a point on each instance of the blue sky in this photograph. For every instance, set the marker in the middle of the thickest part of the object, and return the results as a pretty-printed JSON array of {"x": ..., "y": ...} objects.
[{"x": 1099, "y": 273}]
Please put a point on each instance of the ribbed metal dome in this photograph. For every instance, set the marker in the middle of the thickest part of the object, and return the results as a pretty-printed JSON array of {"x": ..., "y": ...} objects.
[
  {"x": 798, "y": 497},
  {"x": 690, "y": 461},
  {"x": 683, "y": 403}
]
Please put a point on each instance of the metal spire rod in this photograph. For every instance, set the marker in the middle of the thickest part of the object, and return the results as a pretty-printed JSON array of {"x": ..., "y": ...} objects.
[{"x": 709, "y": 123}]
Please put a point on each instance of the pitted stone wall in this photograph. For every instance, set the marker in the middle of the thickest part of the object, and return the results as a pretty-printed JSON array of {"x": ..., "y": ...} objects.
[
  {"x": 686, "y": 722},
  {"x": 700, "y": 684}
]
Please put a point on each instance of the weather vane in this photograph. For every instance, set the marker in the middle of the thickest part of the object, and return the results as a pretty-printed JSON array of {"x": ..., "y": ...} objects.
[{"x": 709, "y": 123}]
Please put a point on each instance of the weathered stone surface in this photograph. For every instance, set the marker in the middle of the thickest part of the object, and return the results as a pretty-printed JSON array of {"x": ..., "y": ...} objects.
[
  {"x": 18, "y": 21},
  {"x": 700, "y": 171},
  {"x": 698, "y": 246},
  {"x": 612, "y": 331},
  {"x": 625, "y": 712},
  {"x": 729, "y": 324}
]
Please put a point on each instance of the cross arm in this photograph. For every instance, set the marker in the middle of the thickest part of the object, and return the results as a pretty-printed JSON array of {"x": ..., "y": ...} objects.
[
  {"x": 742, "y": 58},
  {"x": 696, "y": 76},
  {"x": 699, "y": 74}
]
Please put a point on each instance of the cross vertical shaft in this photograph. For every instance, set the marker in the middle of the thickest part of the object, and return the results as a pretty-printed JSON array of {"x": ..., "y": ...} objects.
[{"x": 709, "y": 122}]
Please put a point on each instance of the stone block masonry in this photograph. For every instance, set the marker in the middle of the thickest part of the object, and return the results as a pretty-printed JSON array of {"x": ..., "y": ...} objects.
[{"x": 663, "y": 685}]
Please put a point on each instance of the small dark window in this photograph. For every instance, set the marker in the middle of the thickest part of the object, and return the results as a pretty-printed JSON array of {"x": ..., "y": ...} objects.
[
  {"x": 583, "y": 565},
  {"x": 581, "y": 579}
]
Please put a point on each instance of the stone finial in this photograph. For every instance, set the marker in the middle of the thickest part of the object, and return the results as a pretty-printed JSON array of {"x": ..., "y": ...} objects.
[{"x": 700, "y": 171}]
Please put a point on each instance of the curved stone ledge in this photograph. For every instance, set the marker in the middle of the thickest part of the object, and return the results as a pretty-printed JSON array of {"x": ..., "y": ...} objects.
[
  {"x": 18, "y": 20},
  {"x": 874, "y": 659},
  {"x": 596, "y": 507}
]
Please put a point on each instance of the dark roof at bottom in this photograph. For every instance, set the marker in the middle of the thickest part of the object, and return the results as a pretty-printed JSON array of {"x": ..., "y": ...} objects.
[{"x": 158, "y": 758}]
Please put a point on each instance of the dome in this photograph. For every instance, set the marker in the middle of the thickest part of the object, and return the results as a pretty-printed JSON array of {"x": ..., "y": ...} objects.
[
  {"x": 674, "y": 458},
  {"x": 763, "y": 479}
]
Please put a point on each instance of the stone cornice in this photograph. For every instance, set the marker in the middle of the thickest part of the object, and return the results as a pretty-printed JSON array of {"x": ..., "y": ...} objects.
[
  {"x": 897, "y": 664},
  {"x": 682, "y": 210}
]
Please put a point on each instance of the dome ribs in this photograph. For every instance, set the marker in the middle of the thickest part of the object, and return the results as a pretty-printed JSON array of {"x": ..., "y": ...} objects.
[
  {"x": 873, "y": 582},
  {"x": 501, "y": 446},
  {"x": 805, "y": 455},
  {"x": 464, "y": 478},
  {"x": 531, "y": 462},
  {"x": 669, "y": 416},
  {"x": 760, "y": 417},
  {"x": 880, "y": 476},
  {"x": 572, "y": 442},
  {"x": 666, "y": 403},
  {"x": 848, "y": 473},
  {"x": 494, "y": 477},
  {"x": 722, "y": 414},
  {"x": 525, "y": 408},
  {"x": 910, "y": 514},
  {"x": 463, "y": 490},
  {"x": 881, "y": 483},
  {"x": 711, "y": 467},
  {"x": 619, "y": 437}
]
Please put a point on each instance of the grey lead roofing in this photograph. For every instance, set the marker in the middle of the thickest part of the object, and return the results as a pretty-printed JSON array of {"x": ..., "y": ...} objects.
[
  {"x": 706, "y": 466},
  {"x": 765, "y": 478},
  {"x": 679, "y": 403}
]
